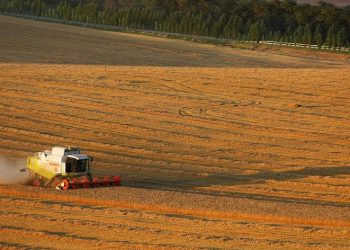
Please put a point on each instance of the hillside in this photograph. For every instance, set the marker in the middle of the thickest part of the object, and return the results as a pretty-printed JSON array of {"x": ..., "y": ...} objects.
[
  {"x": 58, "y": 44},
  {"x": 217, "y": 147}
]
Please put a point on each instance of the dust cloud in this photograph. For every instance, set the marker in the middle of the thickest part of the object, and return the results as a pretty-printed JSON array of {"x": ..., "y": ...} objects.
[{"x": 10, "y": 171}]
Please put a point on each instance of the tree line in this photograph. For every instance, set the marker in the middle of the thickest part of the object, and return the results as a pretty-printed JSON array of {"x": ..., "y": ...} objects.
[{"x": 255, "y": 20}]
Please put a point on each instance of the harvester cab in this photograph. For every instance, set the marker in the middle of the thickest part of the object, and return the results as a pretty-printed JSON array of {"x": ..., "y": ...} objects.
[{"x": 65, "y": 167}]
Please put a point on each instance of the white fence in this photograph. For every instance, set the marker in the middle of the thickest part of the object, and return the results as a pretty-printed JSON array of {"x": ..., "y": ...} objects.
[{"x": 300, "y": 45}]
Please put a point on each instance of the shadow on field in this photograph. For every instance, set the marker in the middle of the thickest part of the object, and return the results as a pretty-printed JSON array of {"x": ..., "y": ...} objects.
[
  {"x": 231, "y": 180},
  {"x": 193, "y": 185},
  {"x": 300, "y": 174}
]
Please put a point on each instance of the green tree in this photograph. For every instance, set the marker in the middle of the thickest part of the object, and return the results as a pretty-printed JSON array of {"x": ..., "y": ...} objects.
[
  {"x": 341, "y": 38},
  {"x": 289, "y": 35},
  {"x": 298, "y": 34},
  {"x": 281, "y": 19},
  {"x": 229, "y": 28},
  {"x": 307, "y": 36},
  {"x": 318, "y": 38},
  {"x": 257, "y": 31},
  {"x": 331, "y": 39}
]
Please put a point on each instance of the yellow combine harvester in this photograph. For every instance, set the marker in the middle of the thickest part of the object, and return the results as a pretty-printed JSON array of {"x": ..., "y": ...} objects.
[{"x": 64, "y": 168}]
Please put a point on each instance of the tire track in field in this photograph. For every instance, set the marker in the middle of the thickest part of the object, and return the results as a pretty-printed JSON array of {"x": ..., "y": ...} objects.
[
  {"x": 77, "y": 132},
  {"x": 243, "y": 124},
  {"x": 138, "y": 111},
  {"x": 77, "y": 225},
  {"x": 79, "y": 124}
]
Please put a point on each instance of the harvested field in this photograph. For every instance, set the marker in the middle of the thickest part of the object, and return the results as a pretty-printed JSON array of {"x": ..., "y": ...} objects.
[{"x": 217, "y": 147}]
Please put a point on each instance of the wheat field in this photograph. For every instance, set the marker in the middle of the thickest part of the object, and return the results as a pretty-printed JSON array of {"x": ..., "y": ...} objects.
[{"x": 217, "y": 147}]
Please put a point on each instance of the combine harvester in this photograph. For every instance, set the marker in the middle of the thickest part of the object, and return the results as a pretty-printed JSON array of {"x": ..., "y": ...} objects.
[{"x": 64, "y": 168}]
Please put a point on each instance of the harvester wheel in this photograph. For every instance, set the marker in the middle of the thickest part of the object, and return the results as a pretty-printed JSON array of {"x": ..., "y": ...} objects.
[
  {"x": 55, "y": 182},
  {"x": 37, "y": 183},
  {"x": 64, "y": 184}
]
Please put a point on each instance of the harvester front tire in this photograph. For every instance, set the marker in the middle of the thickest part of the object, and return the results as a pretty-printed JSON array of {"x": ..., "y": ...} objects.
[
  {"x": 37, "y": 183},
  {"x": 55, "y": 182},
  {"x": 64, "y": 184}
]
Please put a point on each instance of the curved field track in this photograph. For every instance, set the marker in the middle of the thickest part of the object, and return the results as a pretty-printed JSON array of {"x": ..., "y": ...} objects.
[{"x": 217, "y": 147}]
